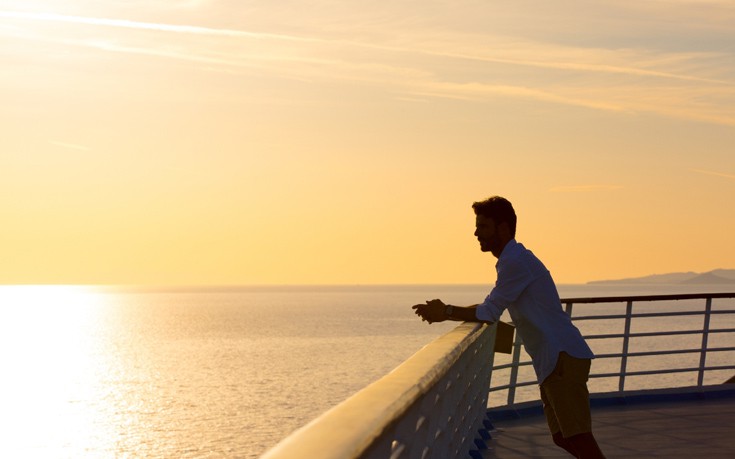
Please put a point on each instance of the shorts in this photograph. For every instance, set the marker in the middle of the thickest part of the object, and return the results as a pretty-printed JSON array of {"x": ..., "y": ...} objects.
[{"x": 566, "y": 398}]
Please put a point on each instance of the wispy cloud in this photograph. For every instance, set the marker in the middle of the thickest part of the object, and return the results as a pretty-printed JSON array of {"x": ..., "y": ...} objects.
[
  {"x": 716, "y": 174},
  {"x": 689, "y": 85},
  {"x": 433, "y": 50},
  {"x": 564, "y": 58},
  {"x": 584, "y": 188},
  {"x": 71, "y": 146},
  {"x": 478, "y": 91}
]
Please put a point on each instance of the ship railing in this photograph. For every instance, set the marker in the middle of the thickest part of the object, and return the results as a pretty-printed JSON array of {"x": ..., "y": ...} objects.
[
  {"x": 634, "y": 326},
  {"x": 434, "y": 405}
]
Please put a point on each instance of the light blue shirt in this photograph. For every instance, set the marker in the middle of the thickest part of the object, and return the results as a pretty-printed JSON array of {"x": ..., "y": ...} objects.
[{"x": 525, "y": 288}]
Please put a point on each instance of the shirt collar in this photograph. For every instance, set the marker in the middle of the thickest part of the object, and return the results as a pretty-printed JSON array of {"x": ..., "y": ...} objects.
[{"x": 509, "y": 247}]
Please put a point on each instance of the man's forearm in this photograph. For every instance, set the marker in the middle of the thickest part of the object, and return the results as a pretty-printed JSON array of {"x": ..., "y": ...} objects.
[{"x": 464, "y": 314}]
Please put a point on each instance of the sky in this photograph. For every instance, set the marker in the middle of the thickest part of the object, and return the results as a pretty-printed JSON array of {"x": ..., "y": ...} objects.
[{"x": 222, "y": 142}]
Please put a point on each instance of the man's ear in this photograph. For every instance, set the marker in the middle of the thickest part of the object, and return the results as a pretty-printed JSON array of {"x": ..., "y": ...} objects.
[{"x": 504, "y": 231}]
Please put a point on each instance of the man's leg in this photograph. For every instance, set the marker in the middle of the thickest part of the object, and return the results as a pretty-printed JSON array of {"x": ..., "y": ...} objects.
[
  {"x": 566, "y": 405},
  {"x": 553, "y": 423},
  {"x": 586, "y": 446},
  {"x": 562, "y": 442}
]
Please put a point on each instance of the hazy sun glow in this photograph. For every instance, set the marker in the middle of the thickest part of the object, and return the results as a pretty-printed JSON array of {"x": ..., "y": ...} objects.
[
  {"x": 203, "y": 142},
  {"x": 51, "y": 373}
]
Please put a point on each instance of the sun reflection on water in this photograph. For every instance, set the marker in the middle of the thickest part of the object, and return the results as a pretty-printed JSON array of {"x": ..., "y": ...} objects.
[{"x": 52, "y": 345}]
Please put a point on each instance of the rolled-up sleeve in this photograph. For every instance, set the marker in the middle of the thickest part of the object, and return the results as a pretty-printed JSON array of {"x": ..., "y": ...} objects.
[{"x": 488, "y": 311}]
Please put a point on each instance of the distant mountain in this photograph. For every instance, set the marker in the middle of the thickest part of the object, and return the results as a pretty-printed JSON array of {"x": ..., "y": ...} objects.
[
  {"x": 718, "y": 276},
  {"x": 726, "y": 273}
]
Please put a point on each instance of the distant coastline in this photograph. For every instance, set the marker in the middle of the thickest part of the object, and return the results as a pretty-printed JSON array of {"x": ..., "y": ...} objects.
[{"x": 714, "y": 277}]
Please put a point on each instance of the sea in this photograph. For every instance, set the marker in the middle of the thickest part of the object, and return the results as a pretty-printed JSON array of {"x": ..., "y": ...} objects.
[{"x": 103, "y": 372}]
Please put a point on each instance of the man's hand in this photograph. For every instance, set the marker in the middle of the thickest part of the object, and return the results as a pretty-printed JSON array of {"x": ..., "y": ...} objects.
[{"x": 432, "y": 311}]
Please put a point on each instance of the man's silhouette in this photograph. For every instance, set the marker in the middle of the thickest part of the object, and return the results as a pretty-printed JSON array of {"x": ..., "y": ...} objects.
[{"x": 561, "y": 357}]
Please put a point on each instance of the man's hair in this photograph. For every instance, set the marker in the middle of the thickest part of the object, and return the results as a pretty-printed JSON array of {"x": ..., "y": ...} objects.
[{"x": 499, "y": 209}]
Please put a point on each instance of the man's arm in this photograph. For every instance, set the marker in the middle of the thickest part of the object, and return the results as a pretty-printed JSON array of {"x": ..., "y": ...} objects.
[
  {"x": 462, "y": 313},
  {"x": 438, "y": 311}
]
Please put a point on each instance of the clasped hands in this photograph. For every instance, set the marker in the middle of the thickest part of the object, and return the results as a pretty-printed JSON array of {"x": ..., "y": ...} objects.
[{"x": 432, "y": 311}]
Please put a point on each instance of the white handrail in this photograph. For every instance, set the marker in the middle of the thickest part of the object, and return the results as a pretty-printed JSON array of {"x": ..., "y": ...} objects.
[{"x": 431, "y": 406}]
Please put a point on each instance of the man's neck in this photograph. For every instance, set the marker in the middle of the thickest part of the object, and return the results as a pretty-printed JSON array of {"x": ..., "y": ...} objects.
[{"x": 502, "y": 247}]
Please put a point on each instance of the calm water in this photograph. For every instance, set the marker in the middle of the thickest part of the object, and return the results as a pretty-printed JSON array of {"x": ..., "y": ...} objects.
[{"x": 218, "y": 373}]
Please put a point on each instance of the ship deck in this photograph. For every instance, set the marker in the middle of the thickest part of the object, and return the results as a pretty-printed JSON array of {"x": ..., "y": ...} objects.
[{"x": 672, "y": 427}]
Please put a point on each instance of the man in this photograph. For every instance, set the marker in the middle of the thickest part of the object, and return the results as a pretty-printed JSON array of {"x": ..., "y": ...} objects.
[{"x": 561, "y": 357}]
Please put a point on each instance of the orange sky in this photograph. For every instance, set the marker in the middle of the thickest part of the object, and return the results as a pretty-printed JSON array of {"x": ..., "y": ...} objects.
[{"x": 217, "y": 142}]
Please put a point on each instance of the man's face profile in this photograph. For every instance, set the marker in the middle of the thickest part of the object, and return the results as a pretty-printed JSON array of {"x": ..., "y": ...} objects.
[{"x": 486, "y": 232}]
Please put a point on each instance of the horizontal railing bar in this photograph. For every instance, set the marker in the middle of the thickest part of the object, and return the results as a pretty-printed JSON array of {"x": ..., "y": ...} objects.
[
  {"x": 650, "y": 314},
  {"x": 511, "y": 365},
  {"x": 641, "y": 314},
  {"x": 604, "y": 375},
  {"x": 669, "y": 352},
  {"x": 518, "y": 384},
  {"x": 644, "y": 334},
  {"x": 663, "y": 371},
  {"x": 507, "y": 386},
  {"x": 621, "y": 299},
  {"x": 610, "y": 335},
  {"x": 719, "y": 368},
  {"x": 643, "y": 354},
  {"x": 667, "y": 333},
  {"x": 675, "y": 332}
]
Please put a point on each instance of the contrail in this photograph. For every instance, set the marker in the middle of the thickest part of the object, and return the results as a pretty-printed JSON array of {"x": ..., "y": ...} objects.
[
  {"x": 717, "y": 174},
  {"x": 53, "y": 17}
]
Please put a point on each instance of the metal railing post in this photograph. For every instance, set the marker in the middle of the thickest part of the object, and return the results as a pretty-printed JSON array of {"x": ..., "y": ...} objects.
[
  {"x": 491, "y": 363},
  {"x": 514, "y": 370},
  {"x": 626, "y": 340},
  {"x": 705, "y": 336}
]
